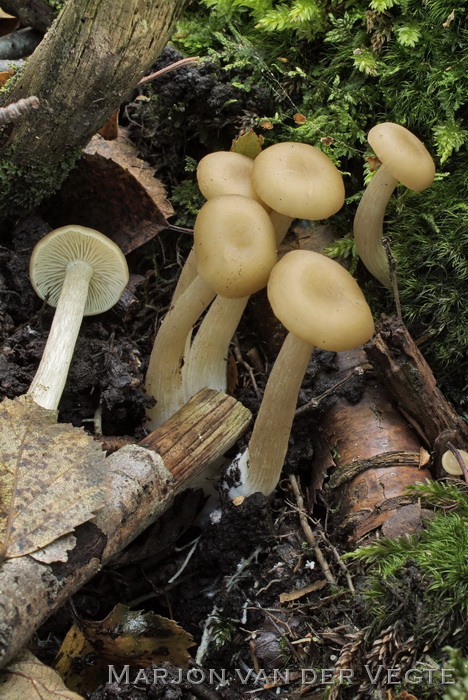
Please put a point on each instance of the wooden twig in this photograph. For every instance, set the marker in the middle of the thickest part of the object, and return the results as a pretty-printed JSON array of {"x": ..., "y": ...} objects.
[
  {"x": 14, "y": 111},
  {"x": 309, "y": 535},
  {"x": 143, "y": 482},
  {"x": 173, "y": 66}
]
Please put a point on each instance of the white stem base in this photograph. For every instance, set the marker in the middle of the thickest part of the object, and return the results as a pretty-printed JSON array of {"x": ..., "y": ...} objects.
[
  {"x": 47, "y": 386},
  {"x": 368, "y": 224}
]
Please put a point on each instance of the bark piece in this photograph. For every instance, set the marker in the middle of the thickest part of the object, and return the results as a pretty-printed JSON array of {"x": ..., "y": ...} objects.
[
  {"x": 376, "y": 456},
  {"x": 411, "y": 384},
  {"x": 144, "y": 485}
]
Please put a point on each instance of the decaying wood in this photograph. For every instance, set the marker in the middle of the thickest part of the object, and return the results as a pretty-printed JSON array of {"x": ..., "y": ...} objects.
[
  {"x": 376, "y": 456},
  {"x": 412, "y": 386},
  {"x": 93, "y": 55},
  {"x": 19, "y": 44},
  {"x": 144, "y": 480},
  {"x": 32, "y": 13}
]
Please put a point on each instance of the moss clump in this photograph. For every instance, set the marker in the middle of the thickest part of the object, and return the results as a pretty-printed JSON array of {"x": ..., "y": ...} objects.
[
  {"x": 421, "y": 581},
  {"x": 25, "y": 187}
]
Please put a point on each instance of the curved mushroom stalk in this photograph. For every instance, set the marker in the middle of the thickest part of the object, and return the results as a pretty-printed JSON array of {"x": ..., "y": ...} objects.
[
  {"x": 368, "y": 224},
  {"x": 404, "y": 159},
  {"x": 164, "y": 377}
]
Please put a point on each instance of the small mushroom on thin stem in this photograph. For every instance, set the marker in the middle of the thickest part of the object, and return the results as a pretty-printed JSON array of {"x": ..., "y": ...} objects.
[
  {"x": 321, "y": 305},
  {"x": 82, "y": 273},
  {"x": 297, "y": 180},
  {"x": 455, "y": 461},
  {"x": 235, "y": 249},
  {"x": 404, "y": 159}
]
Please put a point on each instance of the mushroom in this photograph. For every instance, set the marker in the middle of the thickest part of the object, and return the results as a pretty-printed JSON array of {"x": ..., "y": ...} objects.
[
  {"x": 404, "y": 159},
  {"x": 235, "y": 249},
  {"x": 321, "y": 305},
  {"x": 82, "y": 273},
  {"x": 450, "y": 463},
  {"x": 218, "y": 173},
  {"x": 297, "y": 180}
]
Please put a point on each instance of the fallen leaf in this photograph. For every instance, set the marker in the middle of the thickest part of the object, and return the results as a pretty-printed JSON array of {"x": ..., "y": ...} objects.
[
  {"x": 110, "y": 130},
  {"x": 112, "y": 190},
  {"x": 27, "y": 677},
  {"x": 52, "y": 477},
  {"x": 124, "y": 637},
  {"x": 249, "y": 144}
]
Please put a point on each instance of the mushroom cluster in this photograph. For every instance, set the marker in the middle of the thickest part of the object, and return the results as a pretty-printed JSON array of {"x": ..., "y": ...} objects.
[{"x": 250, "y": 206}]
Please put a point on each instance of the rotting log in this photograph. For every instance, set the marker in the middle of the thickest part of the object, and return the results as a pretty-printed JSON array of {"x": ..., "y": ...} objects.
[
  {"x": 144, "y": 480},
  {"x": 376, "y": 457},
  {"x": 91, "y": 58}
]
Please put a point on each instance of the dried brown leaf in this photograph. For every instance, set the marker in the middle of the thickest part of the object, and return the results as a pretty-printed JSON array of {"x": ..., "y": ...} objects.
[
  {"x": 130, "y": 637},
  {"x": 27, "y": 677},
  {"x": 52, "y": 477},
  {"x": 124, "y": 637},
  {"x": 112, "y": 190}
]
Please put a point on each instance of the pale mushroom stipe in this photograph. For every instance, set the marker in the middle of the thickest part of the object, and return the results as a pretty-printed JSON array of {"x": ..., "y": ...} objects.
[
  {"x": 322, "y": 306},
  {"x": 82, "y": 273},
  {"x": 404, "y": 159}
]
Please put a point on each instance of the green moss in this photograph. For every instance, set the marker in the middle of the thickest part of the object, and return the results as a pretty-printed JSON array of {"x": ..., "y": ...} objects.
[
  {"x": 24, "y": 187},
  {"x": 421, "y": 581}
]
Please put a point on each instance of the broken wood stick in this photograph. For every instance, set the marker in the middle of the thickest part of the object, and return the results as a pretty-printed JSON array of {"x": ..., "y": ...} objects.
[{"x": 143, "y": 482}]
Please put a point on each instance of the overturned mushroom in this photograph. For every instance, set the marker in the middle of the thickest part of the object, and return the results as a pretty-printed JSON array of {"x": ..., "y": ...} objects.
[
  {"x": 82, "y": 273},
  {"x": 321, "y": 305},
  {"x": 404, "y": 159}
]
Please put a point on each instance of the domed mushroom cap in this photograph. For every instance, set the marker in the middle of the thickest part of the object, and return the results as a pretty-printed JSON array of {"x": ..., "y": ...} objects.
[
  {"x": 77, "y": 244},
  {"x": 450, "y": 463},
  {"x": 226, "y": 172},
  {"x": 234, "y": 244},
  {"x": 316, "y": 299},
  {"x": 405, "y": 156},
  {"x": 298, "y": 180}
]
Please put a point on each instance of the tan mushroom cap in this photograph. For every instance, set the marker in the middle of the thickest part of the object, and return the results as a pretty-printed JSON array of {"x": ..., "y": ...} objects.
[
  {"x": 405, "y": 156},
  {"x": 226, "y": 172},
  {"x": 70, "y": 244},
  {"x": 298, "y": 180},
  {"x": 234, "y": 244},
  {"x": 450, "y": 462},
  {"x": 316, "y": 299}
]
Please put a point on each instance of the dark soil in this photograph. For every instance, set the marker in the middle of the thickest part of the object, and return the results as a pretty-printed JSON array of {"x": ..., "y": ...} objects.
[{"x": 245, "y": 559}]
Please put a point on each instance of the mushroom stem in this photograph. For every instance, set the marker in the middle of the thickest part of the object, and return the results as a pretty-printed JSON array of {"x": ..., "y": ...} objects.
[
  {"x": 261, "y": 464},
  {"x": 368, "y": 224},
  {"x": 164, "y": 378},
  {"x": 207, "y": 360},
  {"x": 49, "y": 381}
]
